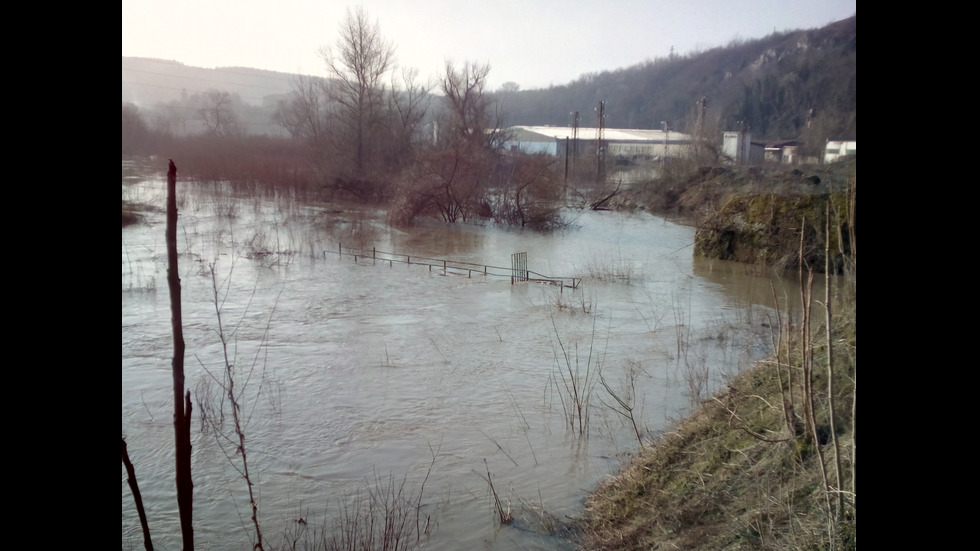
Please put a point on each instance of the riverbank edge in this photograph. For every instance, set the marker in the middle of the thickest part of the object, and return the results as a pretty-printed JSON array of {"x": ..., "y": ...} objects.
[
  {"x": 727, "y": 477},
  {"x": 770, "y": 216},
  {"x": 746, "y": 470}
]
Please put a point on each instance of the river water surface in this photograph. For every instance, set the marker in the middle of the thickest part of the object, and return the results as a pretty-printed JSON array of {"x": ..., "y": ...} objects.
[{"x": 357, "y": 375}]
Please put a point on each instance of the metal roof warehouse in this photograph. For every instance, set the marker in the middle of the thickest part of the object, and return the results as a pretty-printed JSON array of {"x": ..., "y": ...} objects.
[{"x": 619, "y": 142}]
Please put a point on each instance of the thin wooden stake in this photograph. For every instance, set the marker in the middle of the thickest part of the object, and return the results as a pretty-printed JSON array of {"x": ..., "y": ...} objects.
[{"x": 182, "y": 407}]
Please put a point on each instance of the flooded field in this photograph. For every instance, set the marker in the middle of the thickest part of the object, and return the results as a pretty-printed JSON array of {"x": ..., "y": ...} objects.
[{"x": 356, "y": 377}]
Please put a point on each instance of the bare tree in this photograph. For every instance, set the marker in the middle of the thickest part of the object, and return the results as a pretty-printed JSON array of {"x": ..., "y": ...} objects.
[
  {"x": 358, "y": 64},
  {"x": 454, "y": 178},
  {"x": 135, "y": 131},
  {"x": 218, "y": 113},
  {"x": 472, "y": 141},
  {"x": 474, "y": 118},
  {"x": 407, "y": 107},
  {"x": 304, "y": 115},
  {"x": 531, "y": 191}
]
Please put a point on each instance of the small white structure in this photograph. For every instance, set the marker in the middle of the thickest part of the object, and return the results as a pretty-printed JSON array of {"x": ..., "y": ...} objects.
[
  {"x": 839, "y": 148},
  {"x": 736, "y": 146},
  {"x": 739, "y": 148}
]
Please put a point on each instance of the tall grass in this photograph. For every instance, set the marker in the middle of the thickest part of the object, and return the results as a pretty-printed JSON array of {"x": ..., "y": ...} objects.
[
  {"x": 252, "y": 165},
  {"x": 134, "y": 279},
  {"x": 625, "y": 400}
]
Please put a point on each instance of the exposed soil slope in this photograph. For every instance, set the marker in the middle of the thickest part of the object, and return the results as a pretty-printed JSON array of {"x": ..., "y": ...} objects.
[{"x": 756, "y": 214}]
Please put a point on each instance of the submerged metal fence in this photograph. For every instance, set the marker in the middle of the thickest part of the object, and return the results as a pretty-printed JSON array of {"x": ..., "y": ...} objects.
[
  {"x": 517, "y": 272},
  {"x": 518, "y": 267}
]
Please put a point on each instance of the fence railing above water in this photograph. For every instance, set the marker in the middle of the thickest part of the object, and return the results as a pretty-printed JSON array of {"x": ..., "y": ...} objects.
[{"x": 518, "y": 272}]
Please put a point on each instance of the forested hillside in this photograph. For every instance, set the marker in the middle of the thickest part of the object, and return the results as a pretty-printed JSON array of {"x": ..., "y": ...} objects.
[
  {"x": 770, "y": 84},
  {"x": 774, "y": 85}
]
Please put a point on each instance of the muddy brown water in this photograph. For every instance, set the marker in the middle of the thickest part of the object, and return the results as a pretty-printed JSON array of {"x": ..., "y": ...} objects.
[{"x": 356, "y": 374}]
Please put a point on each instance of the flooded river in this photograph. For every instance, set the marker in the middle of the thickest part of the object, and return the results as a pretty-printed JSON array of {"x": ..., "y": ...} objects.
[{"x": 360, "y": 376}]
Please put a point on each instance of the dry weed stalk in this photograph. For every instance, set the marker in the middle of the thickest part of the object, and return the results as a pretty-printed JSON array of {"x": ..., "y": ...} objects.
[
  {"x": 625, "y": 406},
  {"x": 575, "y": 390},
  {"x": 806, "y": 346},
  {"x": 378, "y": 519},
  {"x": 505, "y": 517},
  {"x": 830, "y": 366},
  {"x": 233, "y": 399},
  {"x": 697, "y": 372},
  {"x": 789, "y": 408},
  {"x": 213, "y": 415},
  {"x": 382, "y": 520}
]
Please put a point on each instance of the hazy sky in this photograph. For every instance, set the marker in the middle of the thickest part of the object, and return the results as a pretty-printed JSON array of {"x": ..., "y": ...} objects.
[{"x": 534, "y": 43}]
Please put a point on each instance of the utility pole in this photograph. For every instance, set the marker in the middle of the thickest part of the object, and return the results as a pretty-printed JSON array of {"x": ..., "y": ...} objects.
[
  {"x": 566, "y": 163},
  {"x": 806, "y": 129},
  {"x": 574, "y": 115},
  {"x": 600, "y": 150},
  {"x": 699, "y": 128},
  {"x": 703, "y": 106},
  {"x": 741, "y": 155},
  {"x": 663, "y": 158}
]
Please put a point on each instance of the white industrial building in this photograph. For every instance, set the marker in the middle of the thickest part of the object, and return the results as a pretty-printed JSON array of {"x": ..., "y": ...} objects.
[{"x": 618, "y": 142}]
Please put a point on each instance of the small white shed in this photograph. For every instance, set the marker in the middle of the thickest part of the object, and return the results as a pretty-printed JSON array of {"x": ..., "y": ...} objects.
[{"x": 839, "y": 148}]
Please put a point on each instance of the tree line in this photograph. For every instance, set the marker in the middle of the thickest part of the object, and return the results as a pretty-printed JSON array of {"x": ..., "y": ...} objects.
[
  {"x": 379, "y": 136},
  {"x": 436, "y": 147},
  {"x": 388, "y": 138}
]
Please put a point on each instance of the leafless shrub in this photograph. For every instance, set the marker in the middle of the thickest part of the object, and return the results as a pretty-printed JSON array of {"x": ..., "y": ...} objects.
[
  {"x": 360, "y": 233},
  {"x": 210, "y": 404},
  {"x": 564, "y": 299},
  {"x": 696, "y": 375},
  {"x": 573, "y": 383},
  {"x": 625, "y": 400},
  {"x": 218, "y": 391},
  {"x": 386, "y": 516},
  {"x": 609, "y": 267}
]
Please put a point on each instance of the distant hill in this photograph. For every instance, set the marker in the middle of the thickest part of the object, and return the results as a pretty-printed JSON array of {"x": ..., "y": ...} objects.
[
  {"x": 770, "y": 84},
  {"x": 147, "y": 82},
  {"x": 795, "y": 85}
]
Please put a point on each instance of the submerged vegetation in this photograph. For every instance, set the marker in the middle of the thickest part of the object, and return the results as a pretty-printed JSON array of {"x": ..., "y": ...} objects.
[
  {"x": 748, "y": 469},
  {"x": 766, "y": 463},
  {"x": 751, "y": 468}
]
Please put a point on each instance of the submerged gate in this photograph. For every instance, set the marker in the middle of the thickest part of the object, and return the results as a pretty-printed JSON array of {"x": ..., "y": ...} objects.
[{"x": 518, "y": 267}]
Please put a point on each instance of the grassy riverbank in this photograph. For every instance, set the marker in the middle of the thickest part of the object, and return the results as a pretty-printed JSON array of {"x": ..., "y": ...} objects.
[
  {"x": 732, "y": 476},
  {"x": 768, "y": 462}
]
